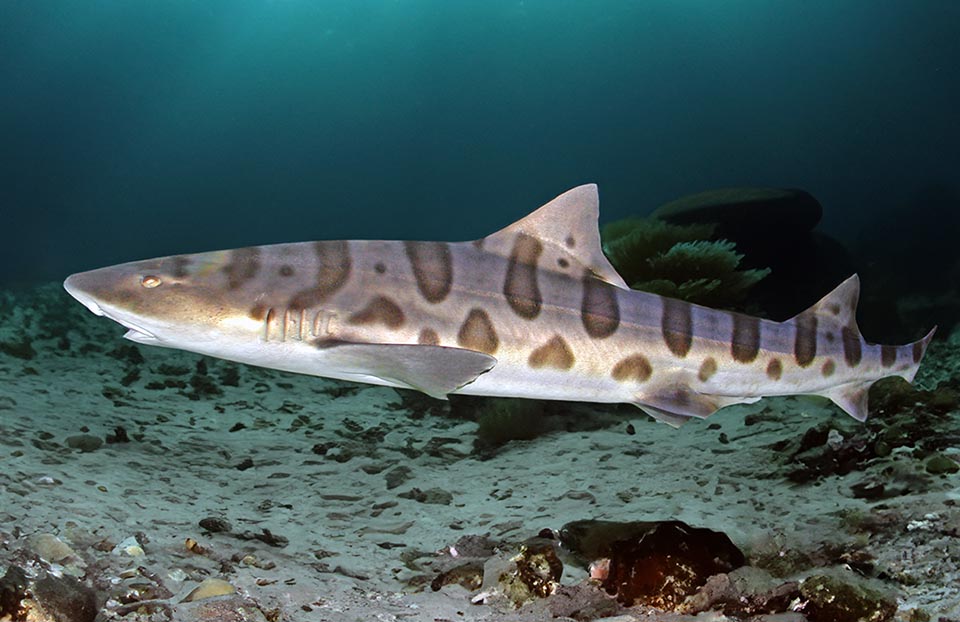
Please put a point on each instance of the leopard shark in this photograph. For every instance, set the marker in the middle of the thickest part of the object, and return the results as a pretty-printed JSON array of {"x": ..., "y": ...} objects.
[{"x": 534, "y": 310}]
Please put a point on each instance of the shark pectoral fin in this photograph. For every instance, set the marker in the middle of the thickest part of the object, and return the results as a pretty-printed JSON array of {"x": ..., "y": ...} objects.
[
  {"x": 852, "y": 398},
  {"x": 434, "y": 370}
]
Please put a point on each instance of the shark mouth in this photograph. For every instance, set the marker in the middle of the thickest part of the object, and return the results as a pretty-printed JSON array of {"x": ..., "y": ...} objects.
[{"x": 134, "y": 332}]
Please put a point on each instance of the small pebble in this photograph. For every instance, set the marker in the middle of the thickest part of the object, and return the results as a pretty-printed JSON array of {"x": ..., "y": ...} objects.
[
  {"x": 51, "y": 548},
  {"x": 84, "y": 442},
  {"x": 208, "y": 589}
]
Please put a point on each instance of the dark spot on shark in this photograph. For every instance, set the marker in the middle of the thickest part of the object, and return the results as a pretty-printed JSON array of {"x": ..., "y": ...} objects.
[
  {"x": 676, "y": 323},
  {"x": 257, "y": 313},
  {"x": 852, "y": 352},
  {"x": 520, "y": 285},
  {"x": 745, "y": 342},
  {"x": 477, "y": 332},
  {"x": 428, "y": 337},
  {"x": 380, "y": 310},
  {"x": 334, "y": 266},
  {"x": 774, "y": 369},
  {"x": 829, "y": 367},
  {"x": 599, "y": 309},
  {"x": 243, "y": 266},
  {"x": 635, "y": 368},
  {"x": 707, "y": 369},
  {"x": 180, "y": 265},
  {"x": 432, "y": 267},
  {"x": 805, "y": 340},
  {"x": 554, "y": 353},
  {"x": 888, "y": 355}
]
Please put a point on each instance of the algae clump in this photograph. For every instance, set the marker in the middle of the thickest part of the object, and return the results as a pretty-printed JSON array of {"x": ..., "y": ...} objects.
[{"x": 680, "y": 261}]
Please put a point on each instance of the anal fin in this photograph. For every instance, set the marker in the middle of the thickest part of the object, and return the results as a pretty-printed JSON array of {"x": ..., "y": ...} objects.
[{"x": 852, "y": 398}]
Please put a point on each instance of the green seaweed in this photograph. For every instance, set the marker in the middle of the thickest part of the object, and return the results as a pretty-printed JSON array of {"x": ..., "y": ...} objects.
[
  {"x": 502, "y": 420},
  {"x": 680, "y": 261}
]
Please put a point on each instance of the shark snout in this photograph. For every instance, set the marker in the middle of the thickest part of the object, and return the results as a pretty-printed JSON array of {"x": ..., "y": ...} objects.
[
  {"x": 103, "y": 292},
  {"x": 79, "y": 285}
]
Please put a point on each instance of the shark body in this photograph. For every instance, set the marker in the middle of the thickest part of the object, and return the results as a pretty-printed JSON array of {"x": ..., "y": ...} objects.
[{"x": 534, "y": 310}]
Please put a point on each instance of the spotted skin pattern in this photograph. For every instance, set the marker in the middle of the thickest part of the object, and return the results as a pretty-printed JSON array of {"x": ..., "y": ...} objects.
[{"x": 534, "y": 310}]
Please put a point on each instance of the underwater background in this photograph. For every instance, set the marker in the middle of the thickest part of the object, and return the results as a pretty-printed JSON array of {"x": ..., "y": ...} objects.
[{"x": 136, "y": 129}]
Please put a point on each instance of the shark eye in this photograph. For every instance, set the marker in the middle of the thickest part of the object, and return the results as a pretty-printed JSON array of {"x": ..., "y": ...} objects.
[{"x": 149, "y": 281}]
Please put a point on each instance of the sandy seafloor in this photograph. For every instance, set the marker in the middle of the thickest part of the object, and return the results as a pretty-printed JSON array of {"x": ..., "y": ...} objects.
[{"x": 311, "y": 464}]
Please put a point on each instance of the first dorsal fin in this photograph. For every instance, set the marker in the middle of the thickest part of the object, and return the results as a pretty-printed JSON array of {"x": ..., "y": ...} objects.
[
  {"x": 567, "y": 224},
  {"x": 840, "y": 305}
]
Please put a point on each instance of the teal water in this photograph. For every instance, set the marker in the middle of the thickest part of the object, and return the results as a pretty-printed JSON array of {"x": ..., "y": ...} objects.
[{"x": 134, "y": 129}]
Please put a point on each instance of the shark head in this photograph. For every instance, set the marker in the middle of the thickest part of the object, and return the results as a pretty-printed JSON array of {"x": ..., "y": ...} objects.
[{"x": 167, "y": 301}]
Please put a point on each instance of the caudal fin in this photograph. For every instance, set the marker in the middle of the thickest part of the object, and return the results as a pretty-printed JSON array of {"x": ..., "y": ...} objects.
[
  {"x": 852, "y": 397},
  {"x": 917, "y": 349}
]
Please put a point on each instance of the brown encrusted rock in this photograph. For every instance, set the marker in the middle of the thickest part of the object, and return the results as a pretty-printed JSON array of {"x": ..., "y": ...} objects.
[
  {"x": 531, "y": 574},
  {"x": 582, "y": 602},
  {"x": 828, "y": 598},
  {"x": 13, "y": 590},
  {"x": 657, "y": 564},
  {"x": 746, "y": 591},
  {"x": 64, "y": 599},
  {"x": 468, "y": 575}
]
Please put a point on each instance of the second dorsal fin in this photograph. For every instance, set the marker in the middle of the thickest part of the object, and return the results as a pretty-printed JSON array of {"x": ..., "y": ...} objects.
[{"x": 568, "y": 225}]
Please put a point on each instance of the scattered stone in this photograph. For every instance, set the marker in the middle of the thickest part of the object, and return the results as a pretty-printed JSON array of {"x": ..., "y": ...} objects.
[
  {"x": 208, "y": 589},
  {"x": 129, "y": 546},
  {"x": 86, "y": 443},
  {"x": 584, "y": 602},
  {"x": 657, "y": 564},
  {"x": 51, "y": 548},
  {"x": 202, "y": 386},
  {"x": 532, "y": 574},
  {"x": 397, "y": 476},
  {"x": 435, "y": 496},
  {"x": 230, "y": 376},
  {"x": 165, "y": 369},
  {"x": 19, "y": 349},
  {"x": 473, "y": 546},
  {"x": 396, "y": 530},
  {"x": 119, "y": 435},
  {"x": 939, "y": 464},
  {"x": 13, "y": 590},
  {"x": 63, "y": 598},
  {"x": 130, "y": 377},
  {"x": 215, "y": 524},
  {"x": 746, "y": 591},
  {"x": 831, "y": 599},
  {"x": 266, "y": 536},
  {"x": 129, "y": 353},
  {"x": 468, "y": 575}
]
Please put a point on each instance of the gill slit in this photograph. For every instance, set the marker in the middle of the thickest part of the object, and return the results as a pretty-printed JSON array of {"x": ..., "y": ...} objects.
[{"x": 268, "y": 319}]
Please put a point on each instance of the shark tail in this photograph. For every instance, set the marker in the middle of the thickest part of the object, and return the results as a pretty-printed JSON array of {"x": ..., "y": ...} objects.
[{"x": 852, "y": 398}]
